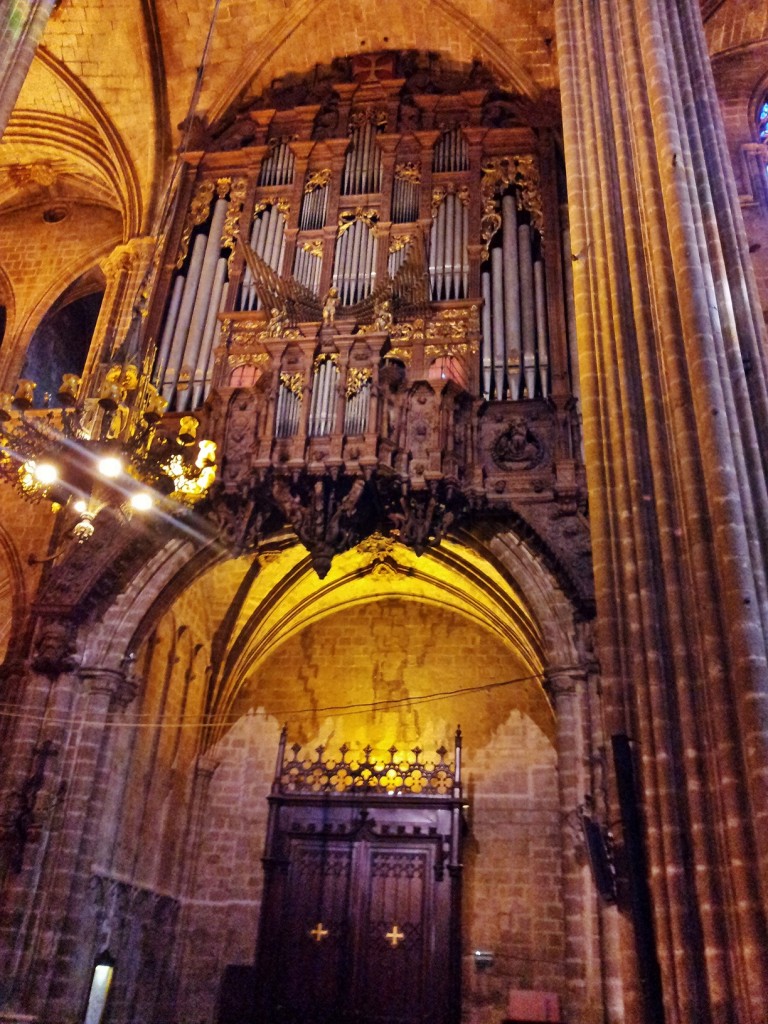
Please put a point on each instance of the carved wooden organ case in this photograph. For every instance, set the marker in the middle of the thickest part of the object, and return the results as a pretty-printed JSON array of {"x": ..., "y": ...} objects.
[
  {"x": 360, "y": 919},
  {"x": 366, "y": 282}
]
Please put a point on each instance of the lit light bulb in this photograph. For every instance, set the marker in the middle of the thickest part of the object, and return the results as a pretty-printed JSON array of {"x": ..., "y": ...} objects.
[
  {"x": 80, "y": 506},
  {"x": 141, "y": 501},
  {"x": 110, "y": 466},
  {"x": 46, "y": 473}
]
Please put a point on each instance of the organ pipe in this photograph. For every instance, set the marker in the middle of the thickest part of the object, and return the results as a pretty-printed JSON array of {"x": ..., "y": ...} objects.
[
  {"x": 527, "y": 310},
  {"x": 268, "y": 242},
  {"x": 486, "y": 353},
  {"x": 202, "y": 369},
  {"x": 449, "y": 262},
  {"x": 542, "y": 349},
  {"x": 362, "y": 167},
  {"x": 497, "y": 318},
  {"x": 450, "y": 152},
  {"x": 278, "y": 166},
  {"x": 171, "y": 359},
  {"x": 511, "y": 294},
  {"x": 203, "y": 296}
]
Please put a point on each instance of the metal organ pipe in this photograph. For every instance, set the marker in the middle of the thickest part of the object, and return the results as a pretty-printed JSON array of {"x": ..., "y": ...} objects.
[
  {"x": 527, "y": 311},
  {"x": 203, "y": 366},
  {"x": 541, "y": 325},
  {"x": 450, "y": 224},
  {"x": 203, "y": 298},
  {"x": 167, "y": 381},
  {"x": 497, "y": 320},
  {"x": 511, "y": 294},
  {"x": 164, "y": 350},
  {"x": 486, "y": 350}
]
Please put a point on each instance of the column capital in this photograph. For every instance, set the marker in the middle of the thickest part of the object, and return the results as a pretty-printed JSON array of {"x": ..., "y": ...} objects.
[
  {"x": 564, "y": 680},
  {"x": 131, "y": 255},
  {"x": 114, "y": 683}
]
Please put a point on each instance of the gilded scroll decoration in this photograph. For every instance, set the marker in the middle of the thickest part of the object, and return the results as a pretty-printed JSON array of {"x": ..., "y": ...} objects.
[
  {"x": 197, "y": 214},
  {"x": 357, "y": 378},
  {"x": 318, "y": 179},
  {"x": 348, "y": 217},
  {"x": 408, "y": 172},
  {"x": 231, "y": 228}
]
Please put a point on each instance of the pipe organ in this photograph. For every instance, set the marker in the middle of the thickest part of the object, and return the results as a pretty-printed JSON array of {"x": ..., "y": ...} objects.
[
  {"x": 268, "y": 241},
  {"x": 391, "y": 237}
]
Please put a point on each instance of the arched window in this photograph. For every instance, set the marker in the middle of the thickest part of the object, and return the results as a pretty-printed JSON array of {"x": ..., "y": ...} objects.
[{"x": 62, "y": 339}]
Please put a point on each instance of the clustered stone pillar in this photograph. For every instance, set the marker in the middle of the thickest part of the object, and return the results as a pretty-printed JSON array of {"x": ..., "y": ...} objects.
[
  {"x": 673, "y": 379},
  {"x": 126, "y": 267},
  {"x": 590, "y": 955},
  {"x": 23, "y": 22}
]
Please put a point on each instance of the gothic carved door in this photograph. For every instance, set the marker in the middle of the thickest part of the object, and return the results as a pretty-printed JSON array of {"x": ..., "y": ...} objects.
[{"x": 360, "y": 917}]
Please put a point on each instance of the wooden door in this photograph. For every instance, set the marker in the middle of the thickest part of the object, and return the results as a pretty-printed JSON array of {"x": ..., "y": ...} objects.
[{"x": 360, "y": 916}]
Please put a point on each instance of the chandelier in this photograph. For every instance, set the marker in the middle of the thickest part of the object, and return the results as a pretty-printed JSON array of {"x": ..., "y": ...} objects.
[{"x": 106, "y": 451}]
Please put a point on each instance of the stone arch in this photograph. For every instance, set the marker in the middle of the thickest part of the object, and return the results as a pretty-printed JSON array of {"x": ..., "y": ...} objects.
[
  {"x": 23, "y": 332},
  {"x": 13, "y": 597},
  {"x": 286, "y": 47}
]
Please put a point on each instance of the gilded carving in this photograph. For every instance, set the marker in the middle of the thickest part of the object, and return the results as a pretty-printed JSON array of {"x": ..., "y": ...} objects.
[
  {"x": 313, "y": 247},
  {"x": 408, "y": 172},
  {"x": 501, "y": 172},
  {"x": 439, "y": 192},
  {"x": 319, "y": 179},
  {"x": 348, "y": 217},
  {"x": 294, "y": 382},
  {"x": 283, "y": 206},
  {"x": 399, "y": 242},
  {"x": 363, "y": 115},
  {"x": 231, "y": 228},
  {"x": 197, "y": 214},
  {"x": 357, "y": 379}
]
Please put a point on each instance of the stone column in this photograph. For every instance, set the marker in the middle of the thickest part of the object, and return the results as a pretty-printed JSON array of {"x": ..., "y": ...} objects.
[
  {"x": 23, "y": 24},
  {"x": 673, "y": 379},
  {"x": 567, "y": 688},
  {"x": 125, "y": 269},
  {"x": 60, "y": 947}
]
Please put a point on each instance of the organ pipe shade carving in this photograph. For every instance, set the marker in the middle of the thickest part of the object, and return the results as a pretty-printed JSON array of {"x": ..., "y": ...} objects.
[
  {"x": 278, "y": 165},
  {"x": 268, "y": 242}
]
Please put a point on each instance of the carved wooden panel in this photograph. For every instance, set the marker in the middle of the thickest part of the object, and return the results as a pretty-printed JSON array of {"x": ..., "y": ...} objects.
[{"x": 360, "y": 919}]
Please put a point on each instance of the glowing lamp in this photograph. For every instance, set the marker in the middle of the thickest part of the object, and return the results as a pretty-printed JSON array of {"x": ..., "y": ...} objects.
[
  {"x": 45, "y": 473},
  {"x": 141, "y": 501},
  {"x": 110, "y": 466}
]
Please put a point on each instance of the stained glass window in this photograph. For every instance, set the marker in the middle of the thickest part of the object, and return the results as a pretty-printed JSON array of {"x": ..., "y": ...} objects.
[{"x": 762, "y": 120}]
